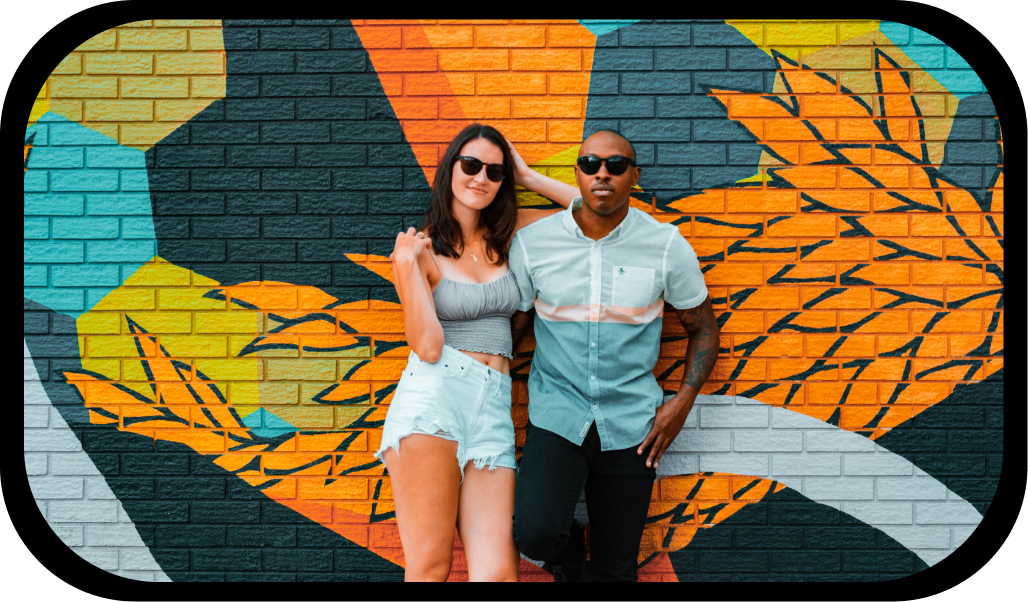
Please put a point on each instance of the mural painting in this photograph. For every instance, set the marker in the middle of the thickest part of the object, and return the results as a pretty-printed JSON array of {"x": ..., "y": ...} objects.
[{"x": 212, "y": 338}]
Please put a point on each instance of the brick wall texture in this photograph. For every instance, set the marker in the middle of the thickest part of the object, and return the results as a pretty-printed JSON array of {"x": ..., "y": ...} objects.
[{"x": 212, "y": 338}]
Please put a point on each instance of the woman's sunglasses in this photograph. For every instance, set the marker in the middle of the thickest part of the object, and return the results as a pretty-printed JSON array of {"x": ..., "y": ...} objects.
[
  {"x": 616, "y": 165},
  {"x": 471, "y": 166}
]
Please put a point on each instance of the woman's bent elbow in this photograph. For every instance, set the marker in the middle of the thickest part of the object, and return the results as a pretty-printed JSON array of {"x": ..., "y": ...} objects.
[{"x": 428, "y": 352}]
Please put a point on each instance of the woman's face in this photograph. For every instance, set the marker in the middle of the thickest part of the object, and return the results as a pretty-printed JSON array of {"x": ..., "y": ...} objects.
[{"x": 477, "y": 191}]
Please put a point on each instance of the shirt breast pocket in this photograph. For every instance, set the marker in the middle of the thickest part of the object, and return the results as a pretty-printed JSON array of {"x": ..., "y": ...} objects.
[{"x": 632, "y": 288}]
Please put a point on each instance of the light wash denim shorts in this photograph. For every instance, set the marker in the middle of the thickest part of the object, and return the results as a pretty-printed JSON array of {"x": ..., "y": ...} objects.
[{"x": 458, "y": 399}]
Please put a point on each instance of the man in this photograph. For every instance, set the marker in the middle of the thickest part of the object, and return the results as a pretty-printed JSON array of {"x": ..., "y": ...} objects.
[{"x": 598, "y": 275}]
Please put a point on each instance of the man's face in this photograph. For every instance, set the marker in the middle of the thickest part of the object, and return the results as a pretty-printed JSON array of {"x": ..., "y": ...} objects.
[{"x": 606, "y": 194}]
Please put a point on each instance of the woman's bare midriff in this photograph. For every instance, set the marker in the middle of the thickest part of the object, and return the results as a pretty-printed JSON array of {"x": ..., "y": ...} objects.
[{"x": 496, "y": 362}]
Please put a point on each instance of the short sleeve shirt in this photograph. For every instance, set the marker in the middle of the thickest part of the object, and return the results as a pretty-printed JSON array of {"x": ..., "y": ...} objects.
[{"x": 599, "y": 311}]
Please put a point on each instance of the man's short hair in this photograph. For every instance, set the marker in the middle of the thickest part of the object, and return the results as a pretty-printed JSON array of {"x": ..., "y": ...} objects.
[{"x": 622, "y": 136}]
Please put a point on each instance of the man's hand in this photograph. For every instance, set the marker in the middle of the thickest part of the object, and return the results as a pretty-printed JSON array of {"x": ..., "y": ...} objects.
[{"x": 666, "y": 426}]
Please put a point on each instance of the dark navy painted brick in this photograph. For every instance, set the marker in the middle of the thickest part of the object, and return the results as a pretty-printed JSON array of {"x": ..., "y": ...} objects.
[
  {"x": 332, "y": 155},
  {"x": 398, "y": 202},
  {"x": 186, "y": 156},
  {"x": 951, "y": 464},
  {"x": 296, "y": 179},
  {"x": 170, "y": 559},
  {"x": 640, "y": 34},
  {"x": 256, "y": 22},
  {"x": 36, "y": 323},
  {"x": 664, "y": 177},
  {"x": 985, "y": 153},
  {"x": 296, "y": 227},
  {"x": 689, "y": 107},
  {"x": 603, "y": 83},
  {"x": 655, "y": 82},
  {"x": 104, "y": 441},
  {"x": 157, "y": 512},
  {"x": 227, "y": 559},
  {"x": 225, "y": 512},
  {"x": 239, "y": 39},
  {"x": 743, "y": 82},
  {"x": 195, "y": 577},
  {"x": 223, "y": 133},
  {"x": 330, "y": 108},
  {"x": 340, "y": 61},
  {"x": 769, "y": 537},
  {"x": 414, "y": 179},
  {"x": 262, "y": 204},
  {"x": 261, "y": 251},
  {"x": 254, "y": 537},
  {"x": 263, "y": 109},
  {"x": 344, "y": 274},
  {"x": 717, "y": 34},
  {"x": 951, "y": 417},
  {"x": 619, "y": 106},
  {"x": 261, "y": 156},
  {"x": 345, "y": 37},
  {"x": 227, "y": 273},
  {"x": 719, "y": 131},
  {"x": 800, "y": 562},
  {"x": 169, "y": 180},
  {"x": 622, "y": 60},
  {"x": 262, "y": 577},
  {"x": 238, "y": 86},
  {"x": 880, "y": 560},
  {"x": 356, "y": 559},
  {"x": 656, "y": 130},
  {"x": 329, "y": 251},
  {"x": 391, "y": 155},
  {"x": 748, "y": 59},
  {"x": 193, "y": 488},
  {"x": 177, "y": 251},
  {"x": 732, "y": 561},
  {"x": 296, "y": 85},
  {"x": 314, "y": 275},
  {"x": 357, "y": 84},
  {"x": 54, "y": 346},
  {"x": 149, "y": 464},
  {"x": 333, "y": 203},
  {"x": 259, "y": 62},
  {"x": 691, "y": 154},
  {"x": 716, "y": 177},
  {"x": 368, "y": 132},
  {"x": 222, "y": 179},
  {"x": 366, "y": 227},
  {"x": 294, "y": 560},
  {"x": 294, "y": 39},
  {"x": 226, "y": 227},
  {"x": 844, "y": 538},
  {"x": 691, "y": 59},
  {"x": 378, "y": 178},
  {"x": 135, "y": 489},
  {"x": 975, "y": 441},
  {"x": 803, "y": 513},
  {"x": 298, "y": 132}
]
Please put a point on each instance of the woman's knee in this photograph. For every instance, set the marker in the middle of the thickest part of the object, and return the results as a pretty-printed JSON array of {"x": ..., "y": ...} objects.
[{"x": 431, "y": 567}]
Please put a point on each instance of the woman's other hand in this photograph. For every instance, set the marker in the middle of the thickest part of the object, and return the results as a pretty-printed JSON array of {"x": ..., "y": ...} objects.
[{"x": 409, "y": 246}]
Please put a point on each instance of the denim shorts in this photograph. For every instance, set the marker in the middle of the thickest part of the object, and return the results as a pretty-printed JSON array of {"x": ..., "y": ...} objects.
[{"x": 458, "y": 399}]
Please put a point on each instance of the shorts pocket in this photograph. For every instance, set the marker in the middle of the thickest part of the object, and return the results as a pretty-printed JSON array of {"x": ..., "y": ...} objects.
[{"x": 632, "y": 288}]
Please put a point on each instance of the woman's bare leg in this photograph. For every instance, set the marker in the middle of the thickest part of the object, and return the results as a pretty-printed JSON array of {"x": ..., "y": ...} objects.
[
  {"x": 485, "y": 523},
  {"x": 426, "y": 489}
]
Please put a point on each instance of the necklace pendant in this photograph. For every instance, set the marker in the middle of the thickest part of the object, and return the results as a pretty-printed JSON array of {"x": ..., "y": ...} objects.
[{"x": 473, "y": 256}]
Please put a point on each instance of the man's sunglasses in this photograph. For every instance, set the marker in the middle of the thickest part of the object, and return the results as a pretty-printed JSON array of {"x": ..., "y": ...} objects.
[
  {"x": 616, "y": 165},
  {"x": 471, "y": 166}
]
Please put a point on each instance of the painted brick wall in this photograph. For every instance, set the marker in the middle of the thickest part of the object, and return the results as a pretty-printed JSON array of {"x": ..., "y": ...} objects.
[{"x": 209, "y": 310}]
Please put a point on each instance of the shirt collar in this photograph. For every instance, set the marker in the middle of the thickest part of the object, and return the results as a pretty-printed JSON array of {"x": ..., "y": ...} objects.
[{"x": 572, "y": 225}]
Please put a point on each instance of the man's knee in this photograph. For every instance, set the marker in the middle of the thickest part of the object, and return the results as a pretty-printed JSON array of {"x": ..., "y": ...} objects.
[{"x": 540, "y": 539}]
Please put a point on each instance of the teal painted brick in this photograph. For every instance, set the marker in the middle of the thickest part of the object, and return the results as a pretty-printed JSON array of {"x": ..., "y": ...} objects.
[
  {"x": 86, "y": 180},
  {"x": 932, "y": 58},
  {"x": 137, "y": 227},
  {"x": 924, "y": 38},
  {"x": 36, "y": 181},
  {"x": 73, "y": 134},
  {"x": 55, "y": 158},
  {"x": 67, "y": 299},
  {"x": 898, "y": 33},
  {"x": 955, "y": 61},
  {"x": 85, "y": 275},
  {"x": 134, "y": 180},
  {"x": 54, "y": 204},
  {"x": 119, "y": 204},
  {"x": 964, "y": 82},
  {"x": 114, "y": 157},
  {"x": 39, "y": 133},
  {"x": 85, "y": 227},
  {"x": 95, "y": 295},
  {"x": 54, "y": 252},
  {"x": 37, "y": 228},
  {"x": 120, "y": 251},
  {"x": 35, "y": 275},
  {"x": 127, "y": 269}
]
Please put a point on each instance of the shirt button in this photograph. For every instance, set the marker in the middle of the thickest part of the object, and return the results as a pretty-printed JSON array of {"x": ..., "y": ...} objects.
[
  {"x": 593, "y": 344},
  {"x": 596, "y": 407},
  {"x": 593, "y": 377}
]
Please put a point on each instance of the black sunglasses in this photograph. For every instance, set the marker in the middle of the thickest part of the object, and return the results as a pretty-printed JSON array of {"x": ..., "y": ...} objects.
[
  {"x": 616, "y": 165},
  {"x": 471, "y": 166}
]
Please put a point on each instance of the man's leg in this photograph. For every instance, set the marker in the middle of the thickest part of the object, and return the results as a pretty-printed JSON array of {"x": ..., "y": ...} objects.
[
  {"x": 551, "y": 476},
  {"x": 617, "y": 494}
]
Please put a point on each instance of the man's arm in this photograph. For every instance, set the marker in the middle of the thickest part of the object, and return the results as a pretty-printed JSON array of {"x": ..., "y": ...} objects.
[
  {"x": 520, "y": 326},
  {"x": 700, "y": 356}
]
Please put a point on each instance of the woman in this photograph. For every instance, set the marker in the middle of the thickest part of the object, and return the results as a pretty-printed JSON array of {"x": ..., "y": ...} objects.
[{"x": 453, "y": 400}]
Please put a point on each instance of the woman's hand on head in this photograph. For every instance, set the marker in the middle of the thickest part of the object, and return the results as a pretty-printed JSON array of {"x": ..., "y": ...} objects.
[
  {"x": 409, "y": 245},
  {"x": 522, "y": 172}
]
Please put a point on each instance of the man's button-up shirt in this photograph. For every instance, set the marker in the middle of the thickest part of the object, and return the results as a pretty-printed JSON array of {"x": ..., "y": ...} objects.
[{"x": 599, "y": 311}]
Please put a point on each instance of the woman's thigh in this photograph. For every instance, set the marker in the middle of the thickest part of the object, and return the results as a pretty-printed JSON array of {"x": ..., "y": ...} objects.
[
  {"x": 426, "y": 487},
  {"x": 484, "y": 521}
]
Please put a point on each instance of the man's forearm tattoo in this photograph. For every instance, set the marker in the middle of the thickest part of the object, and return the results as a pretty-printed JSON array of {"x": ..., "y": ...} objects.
[{"x": 701, "y": 353}]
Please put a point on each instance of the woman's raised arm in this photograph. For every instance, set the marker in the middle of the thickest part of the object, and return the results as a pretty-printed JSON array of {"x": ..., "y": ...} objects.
[
  {"x": 555, "y": 190},
  {"x": 421, "y": 325}
]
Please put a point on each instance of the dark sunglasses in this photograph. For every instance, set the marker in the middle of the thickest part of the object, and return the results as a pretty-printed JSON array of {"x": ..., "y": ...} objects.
[
  {"x": 616, "y": 165},
  {"x": 471, "y": 166}
]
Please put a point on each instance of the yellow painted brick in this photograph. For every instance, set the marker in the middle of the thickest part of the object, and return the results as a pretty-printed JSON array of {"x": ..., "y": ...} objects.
[
  {"x": 154, "y": 87},
  {"x": 206, "y": 63},
  {"x": 144, "y": 133},
  {"x": 70, "y": 109},
  {"x": 128, "y": 298},
  {"x": 179, "y": 110},
  {"x": 194, "y": 345},
  {"x": 187, "y": 23},
  {"x": 42, "y": 91},
  {"x": 231, "y": 369},
  {"x": 152, "y": 40},
  {"x": 277, "y": 393},
  {"x": 70, "y": 65},
  {"x": 306, "y": 417},
  {"x": 102, "y": 322},
  {"x": 135, "y": 63},
  {"x": 106, "y": 40},
  {"x": 206, "y": 39},
  {"x": 207, "y": 87},
  {"x": 346, "y": 416},
  {"x": 120, "y": 346},
  {"x": 301, "y": 369},
  {"x": 160, "y": 322},
  {"x": 146, "y": 23},
  {"x": 187, "y": 298},
  {"x": 109, "y": 368},
  {"x": 228, "y": 322},
  {"x": 237, "y": 344},
  {"x": 119, "y": 110},
  {"x": 83, "y": 87},
  {"x": 159, "y": 273},
  {"x": 801, "y": 34}
]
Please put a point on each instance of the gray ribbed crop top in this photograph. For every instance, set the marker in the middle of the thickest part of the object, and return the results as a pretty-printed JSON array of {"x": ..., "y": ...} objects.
[{"x": 476, "y": 316}]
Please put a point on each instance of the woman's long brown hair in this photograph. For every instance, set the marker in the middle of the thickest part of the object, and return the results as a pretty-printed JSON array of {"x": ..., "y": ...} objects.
[{"x": 499, "y": 219}]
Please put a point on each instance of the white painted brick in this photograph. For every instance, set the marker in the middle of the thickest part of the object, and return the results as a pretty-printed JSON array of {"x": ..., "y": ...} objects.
[
  {"x": 113, "y": 534},
  {"x": 768, "y": 441},
  {"x": 716, "y": 400},
  {"x": 911, "y": 488},
  {"x": 921, "y": 536},
  {"x": 806, "y": 464},
  {"x": 42, "y": 507},
  {"x": 34, "y": 394},
  {"x": 106, "y": 559},
  {"x": 48, "y": 440},
  {"x": 847, "y": 488},
  {"x": 30, "y": 369},
  {"x": 138, "y": 559},
  {"x": 56, "y": 420},
  {"x": 838, "y": 441},
  {"x": 961, "y": 533},
  {"x": 794, "y": 483},
  {"x": 77, "y": 464},
  {"x": 37, "y": 417},
  {"x": 702, "y": 441},
  {"x": 83, "y": 512},
  {"x": 35, "y": 464},
  {"x": 744, "y": 464},
  {"x": 945, "y": 513},
  {"x": 881, "y": 513},
  {"x": 71, "y": 535},
  {"x": 734, "y": 417},
  {"x": 56, "y": 488},
  {"x": 692, "y": 421},
  {"x": 123, "y": 516},
  {"x": 160, "y": 577},
  {"x": 787, "y": 419},
  {"x": 137, "y": 575},
  {"x": 97, "y": 489},
  {"x": 877, "y": 464},
  {"x": 672, "y": 463},
  {"x": 931, "y": 557}
]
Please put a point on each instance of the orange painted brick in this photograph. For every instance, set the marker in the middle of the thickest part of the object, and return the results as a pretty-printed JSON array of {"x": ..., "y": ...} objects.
[
  {"x": 803, "y": 225},
  {"x": 744, "y": 321},
  {"x": 546, "y": 60},
  {"x": 473, "y": 60},
  {"x": 379, "y": 37},
  {"x": 839, "y": 249},
  {"x": 739, "y": 274},
  {"x": 991, "y": 277},
  {"x": 435, "y": 36},
  {"x": 761, "y": 250},
  {"x": 474, "y": 108},
  {"x": 810, "y": 177},
  {"x": 775, "y": 345},
  {"x": 189, "y": 63},
  {"x": 119, "y": 63},
  {"x": 973, "y": 297},
  {"x": 889, "y": 177},
  {"x": 834, "y": 393},
  {"x": 732, "y": 226},
  {"x": 929, "y": 346},
  {"x": 879, "y": 225},
  {"x": 83, "y": 87},
  {"x": 154, "y": 87},
  {"x": 764, "y": 298},
  {"x": 708, "y": 201},
  {"x": 954, "y": 321},
  {"x": 881, "y": 322},
  {"x": 574, "y": 36},
  {"x": 962, "y": 345},
  {"x": 963, "y": 249},
  {"x": 514, "y": 83},
  {"x": 889, "y": 368},
  {"x": 864, "y": 130},
  {"x": 510, "y": 37},
  {"x": 745, "y": 369},
  {"x": 987, "y": 320},
  {"x": 928, "y": 370},
  {"x": 675, "y": 489},
  {"x": 849, "y": 201},
  {"x": 877, "y": 273},
  {"x": 569, "y": 83},
  {"x": 916, "y": 393},
  {"x": 991, "y": 367},
  {"x": 933, "y": 272},
  {"x": 941, "y": 225},
  {"x": 417, "y": 108},
  {"x": 812, "y": 153},
  {"x": 829, "y": 298},
  {"x": 106, "y": 40},
  {"x": 745, "y": 105},
  {"x": 854, "y": 345},
  {"x": 897, "y": 154},
  {"x": 170, "y": 39},
  {"x": 997, "y": 220},
  {"x": 521, "y": 130},
  {"x": 787, "y": 274},
  {"x": 788, "y": 151},
  {"x": 802, "y": 370},
  {"x": 119, "y": 110},
  {"x": 546, "y": 107},
  {"x": 832, "y": 106},
  {"x": 858, "y": 417},
  {"x": 914, "y": 249},
  {"x": 797, "y": 321},
  {"x": 793, "y": 130},
  {"x": 767, "y": 200},
  {"x": 920, "y": 297},
  {"x": 426, "y": 131},
  {"x": 404, "y": 60},
  {"x": 341, "y": 488},
  {"x": 564, "y": 131}
]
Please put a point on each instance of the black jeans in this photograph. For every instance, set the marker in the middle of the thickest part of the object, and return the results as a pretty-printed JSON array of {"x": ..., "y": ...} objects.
[{"x": 551, "y": 476}]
